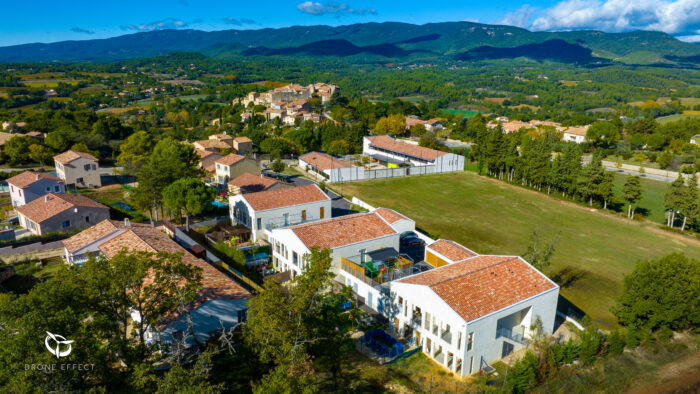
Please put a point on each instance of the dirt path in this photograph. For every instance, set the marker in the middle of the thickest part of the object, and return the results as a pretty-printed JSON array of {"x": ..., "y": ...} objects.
[
  {"x": 682, "y": 376},
  {"x": 652, "y": 226}
]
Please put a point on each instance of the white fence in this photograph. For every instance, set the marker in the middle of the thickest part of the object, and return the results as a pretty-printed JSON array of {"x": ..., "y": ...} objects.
[{"x": 363, "y": 204}]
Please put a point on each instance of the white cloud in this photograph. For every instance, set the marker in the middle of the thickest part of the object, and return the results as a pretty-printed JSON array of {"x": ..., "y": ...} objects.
[
  {"x": 332, "y": 7},
  {"x": 238, "y": 22},
  {"x": 521, "y": 18},
  {"x": 678, "y": 17},
  {"x": 82, "y": 30},
  {"x": 170, "y": 23}
]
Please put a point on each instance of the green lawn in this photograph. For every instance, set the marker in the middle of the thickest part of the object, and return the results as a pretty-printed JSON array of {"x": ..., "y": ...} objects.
[
  {"x": 466, "y": 114},
  {"x": 594, "y": 250},
  {"x": 673, "y": 118},
  {"x": 652, "y": 204}
]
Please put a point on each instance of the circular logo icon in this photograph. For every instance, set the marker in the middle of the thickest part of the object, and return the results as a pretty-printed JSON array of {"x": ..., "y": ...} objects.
[{"x": 53, "y": 343}]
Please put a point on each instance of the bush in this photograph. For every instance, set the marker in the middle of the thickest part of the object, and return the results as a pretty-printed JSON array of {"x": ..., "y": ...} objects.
[
  {"x": 277, "y": 166},
  {"x": 234, "y": 254},
  {"x": 616, "y": 343},
  {"x": 522, "y": 376},
  {"x": 590, "y": 342}
]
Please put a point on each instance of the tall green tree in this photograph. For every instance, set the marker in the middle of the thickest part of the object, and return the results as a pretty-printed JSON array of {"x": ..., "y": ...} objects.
[
  {"x": 189, "y": 196},
  {"x": 603, "y": 134},
  {"x": 632, "y": 193},
  {"x": 134, "y": 152},
  {"x": 591, "y": 178},
  {"x": 691, "y": 203},
  {"x": 605, "y": 188},
  {"x": 661, "y": 293},
  {"x": 674, "y": 200},
  {"x": 40, "y": 154}
]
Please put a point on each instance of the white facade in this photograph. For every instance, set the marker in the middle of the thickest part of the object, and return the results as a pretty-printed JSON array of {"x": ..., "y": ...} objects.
[
  {"x": 449, "y": 162},
  {"x": 577, "y": 138},
  {"x": 288, "y": 250},
  {"x": 445, "y": 335},
  {"x": 242, "y": 212},
  {"x": 37, "y": 189}
]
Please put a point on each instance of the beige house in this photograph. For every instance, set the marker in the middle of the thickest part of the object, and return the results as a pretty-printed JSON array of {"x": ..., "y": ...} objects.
[
  {"x": 233, "y": 165},
  {"x": 243, "y": 145},
  {"x": 60, "y": 213},
  {"x": 78, "y": 168}
]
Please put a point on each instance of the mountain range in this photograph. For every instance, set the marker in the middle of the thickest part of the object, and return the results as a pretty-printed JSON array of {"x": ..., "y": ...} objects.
[{"x": 389, "y": 41}]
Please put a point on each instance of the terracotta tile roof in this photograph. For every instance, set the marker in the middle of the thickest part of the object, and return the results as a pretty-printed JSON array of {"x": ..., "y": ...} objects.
[
  {"x": 216, "y": 144},
  {"x": 221, "y": 137},
  {"x": 242, "y": 139},
  {"x": 452, "y": 250},
  {"x": 53, "y": 204},
  {"x": 390, "y": 215},
  {"x": 287, "y": 197},
  {"x": 231, "y": 159},
  {"x": 4, "y": 137},
  {"x": 343, "y": 230},
  {"x": 577, "y": 130},
  {"x": 481, "y": 285},
  {"x": 252, "y": 183},
  {"x": 323, "y": 161},
  {"x": 215, "y": 284},
  {"x": 27, "y": 178},
  {"x": 94, "y": 233},
  {"x": 68, "y": 156},
  {"x": 390, "y": 144}
]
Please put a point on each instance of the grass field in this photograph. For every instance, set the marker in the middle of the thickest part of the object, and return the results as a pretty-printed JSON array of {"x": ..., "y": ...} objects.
[
  {"x": 673, "y": 118},
  {"x": 594, "y": 250},
  {"x": 652, "y": 204},
  {"x": 466, "y": 114}
]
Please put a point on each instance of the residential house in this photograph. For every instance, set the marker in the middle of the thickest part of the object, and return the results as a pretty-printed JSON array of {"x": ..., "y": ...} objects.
[
  {"x": 430, "y": 125},
  {"x": 207, "y": 162},
  {"x": 223, "y": 137},
  {"x": 246, "y": 116},
  {"x": 243, "y": 145},
  {"x": 78, "y": 168},
  {"x": 222, "y": 302},
  {"x": 271, "y": 209},
  {"x": 398, "y": 153},
  {"x": 233, "y": 165},
  {"x": 249, "y": 183},
  {"x": 350, "y": 238},
  {"x": 60, "y": 213},
  {"x": 29, "y": 185},
  {"x": 328, "y": 167},
  {"x": 576, "y": 134},
  {"x": 212, "y": 145},
  {"x": 272, "y": 114},
  {"x": 467, "y": 314}
]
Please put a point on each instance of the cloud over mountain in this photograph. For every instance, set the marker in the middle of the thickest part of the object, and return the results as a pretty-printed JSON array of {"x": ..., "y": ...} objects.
[
  {"x": 169, "y": 23},
  {"x": 333, "y": 8}
]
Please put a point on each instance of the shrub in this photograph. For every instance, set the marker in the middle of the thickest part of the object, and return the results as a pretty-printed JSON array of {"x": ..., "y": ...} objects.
[
  {"x": 522, "y": 376},
  {"x": 616, "y": 343},
  {"x": 590, "y": 342}
]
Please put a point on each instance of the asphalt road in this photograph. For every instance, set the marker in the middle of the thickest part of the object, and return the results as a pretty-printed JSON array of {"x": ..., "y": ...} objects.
[{"x": 647, "y": 176}]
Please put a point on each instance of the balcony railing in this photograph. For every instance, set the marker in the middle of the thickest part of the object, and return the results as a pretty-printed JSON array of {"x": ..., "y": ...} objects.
[
  {"x": 511, "y": 334},
  {"x": 291, "y": 220}
]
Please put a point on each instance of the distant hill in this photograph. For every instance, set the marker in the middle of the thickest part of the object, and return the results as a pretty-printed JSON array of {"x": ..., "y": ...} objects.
[{"x": 389, "y": 40}]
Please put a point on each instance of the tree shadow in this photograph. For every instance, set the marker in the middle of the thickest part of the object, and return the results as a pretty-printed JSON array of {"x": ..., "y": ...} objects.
[{"x": 567, "y": 276}]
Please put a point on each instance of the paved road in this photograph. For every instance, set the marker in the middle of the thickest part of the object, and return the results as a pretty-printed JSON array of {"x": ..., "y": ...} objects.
[{"x": 647, "y": 176}]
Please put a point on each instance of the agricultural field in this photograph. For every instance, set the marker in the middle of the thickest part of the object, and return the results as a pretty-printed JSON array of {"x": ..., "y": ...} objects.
[
  {"x": 676, "y": 117},
  {"x": 594, "y": 249},
  {"x": 466, "y": 114}
]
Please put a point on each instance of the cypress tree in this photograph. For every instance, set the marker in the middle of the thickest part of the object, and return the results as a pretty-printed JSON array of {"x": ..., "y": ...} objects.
[
  {"x": 674, "y": 199},
  {"x": 632, "y": 193}
]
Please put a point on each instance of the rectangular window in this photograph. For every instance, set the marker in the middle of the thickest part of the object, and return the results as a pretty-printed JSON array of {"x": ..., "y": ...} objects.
[
  {"x": 87, "y": 219},
  {"x": 86, "y": 167},
  {"x": 303, "y": 215},
  {"x": 48, "y": 189},
  {"x": 459, "y": 340},
  {"x": 295, "y": 258},
  {"x": 57, "y": 188},
  {"x": 20, "y": 192},
  {"x": 259, "y": 227},
  {"x": 427, "y": 321},
  {"x": 94, "y": 167},
  {"x": 65, "y": 224},
  {"x": 322, "y": 213},
  {"x": 470, "y": 341}
]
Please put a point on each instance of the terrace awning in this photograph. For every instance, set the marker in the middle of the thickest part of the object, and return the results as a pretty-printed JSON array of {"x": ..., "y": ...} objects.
[
  {"x": 388, "y": 159},
  {"x": 383, "y": 254}
]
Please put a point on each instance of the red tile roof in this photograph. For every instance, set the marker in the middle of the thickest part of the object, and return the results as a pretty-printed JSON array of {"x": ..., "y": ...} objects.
[
  {"x": 390, "y": 144},
  {"x": 343, "y": 230},
  {"x": 287, "y": 197},
  {"x": 482, "y": 285},
  {"x": 68, "y": 156},
  {"x": 27, "y": 178},
  {"x": 390, "y": 215},
  {"x": 215, "y": 284},
  {"x": 231, "y": 159},
  {"x": 51, "y": 205},
  {"x": 242, "y": 139},
  {"x": 452, "y": 250},
  {"x": 323, "y": 161},
  {"x": 252, "y": 183},
  {"x": 94, "y": 233}
]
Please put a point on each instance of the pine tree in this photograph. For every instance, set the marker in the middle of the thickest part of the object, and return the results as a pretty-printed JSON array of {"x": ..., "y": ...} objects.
[
  {"x": 605, "y": 188},
  {"x": 589, "y": 183},
  {"x": 632, "y": 193},
  {"x": 674, "y": 199}
]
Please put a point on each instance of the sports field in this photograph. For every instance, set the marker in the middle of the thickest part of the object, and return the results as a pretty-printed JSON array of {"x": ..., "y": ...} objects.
[{"x": 595, "y": 250}]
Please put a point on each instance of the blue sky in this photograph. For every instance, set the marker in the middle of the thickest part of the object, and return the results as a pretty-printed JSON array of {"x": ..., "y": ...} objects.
[{"x": 49, "y": 21}]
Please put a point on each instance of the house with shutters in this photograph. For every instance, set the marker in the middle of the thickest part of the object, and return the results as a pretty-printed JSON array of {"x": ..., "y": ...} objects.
[
  {"x": 264, "y": 211},
  {"x": 78, "y": 168},
  {"x": 60, "y": 213},
  {"x": 29, "y": 185},
  {"x": 221, "y": 303}
]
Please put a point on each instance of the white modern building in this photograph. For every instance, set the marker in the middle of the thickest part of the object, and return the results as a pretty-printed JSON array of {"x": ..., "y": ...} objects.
[
  {"x": 350, "y": 237},
  {"x": 330, "y": 168},
  {"x": 267, "y": 210},
  {"x": 29, "y": 185},
  {"x": 398, "y": 153},
  {"x": 575, "y": 134}
]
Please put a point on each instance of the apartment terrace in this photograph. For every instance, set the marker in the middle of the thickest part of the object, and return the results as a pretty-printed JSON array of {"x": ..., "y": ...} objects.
[{"x": 381, "y": 266}]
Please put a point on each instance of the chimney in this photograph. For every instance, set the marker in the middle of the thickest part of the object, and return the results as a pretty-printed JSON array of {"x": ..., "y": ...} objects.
[
  {"x": 37, "y": 176},
  {"x": 127, "y": 223},
  {"x": 46, "y": 198}
]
